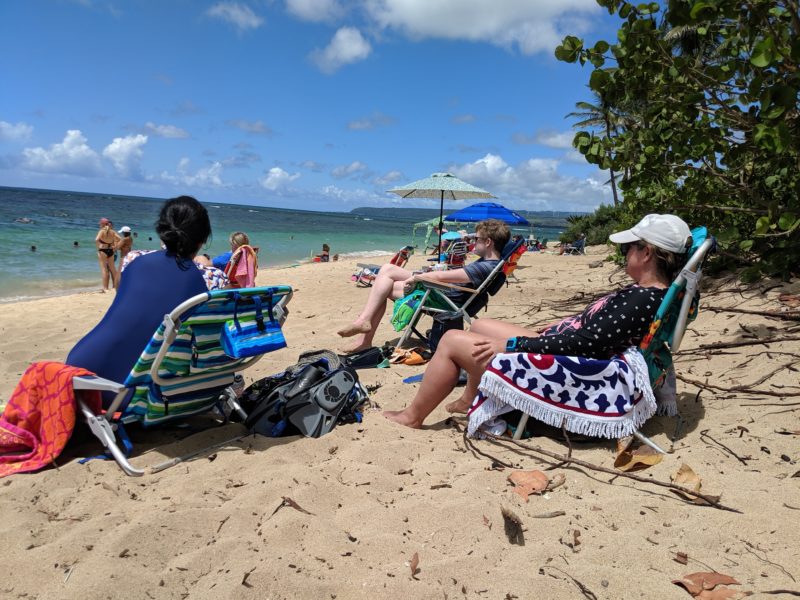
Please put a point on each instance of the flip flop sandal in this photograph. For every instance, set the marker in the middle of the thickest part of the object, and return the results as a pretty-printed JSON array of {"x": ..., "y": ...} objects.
[
  {"x": 398, "y": 356},
  {"x": 417, "y": 357}
]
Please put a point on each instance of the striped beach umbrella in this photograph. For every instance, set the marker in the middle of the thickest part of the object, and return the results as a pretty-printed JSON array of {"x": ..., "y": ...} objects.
[{"x": 442, "y": 186}]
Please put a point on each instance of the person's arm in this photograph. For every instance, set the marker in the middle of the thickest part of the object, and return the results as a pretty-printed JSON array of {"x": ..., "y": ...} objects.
[{"x": 454, "y": 276}]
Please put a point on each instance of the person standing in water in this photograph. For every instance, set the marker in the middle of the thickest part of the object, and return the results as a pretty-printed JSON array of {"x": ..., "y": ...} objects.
[{"x": 106, "y": 241}]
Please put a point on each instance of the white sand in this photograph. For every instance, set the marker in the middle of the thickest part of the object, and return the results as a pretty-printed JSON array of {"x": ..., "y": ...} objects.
[{"x": 379, "y": 493}]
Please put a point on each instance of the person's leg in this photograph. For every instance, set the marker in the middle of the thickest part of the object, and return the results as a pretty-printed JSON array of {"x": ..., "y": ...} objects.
[
  {"x": 112, "y": 270},
  {"x": 101, "y": 259},
  {"x": 495, "y": 329},
  {"x": 454, "y": 353},
  {"x": 384, "y": 287}
]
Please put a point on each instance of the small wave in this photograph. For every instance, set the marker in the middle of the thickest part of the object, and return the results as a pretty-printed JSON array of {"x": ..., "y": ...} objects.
[{"x": 365, "y": 254}]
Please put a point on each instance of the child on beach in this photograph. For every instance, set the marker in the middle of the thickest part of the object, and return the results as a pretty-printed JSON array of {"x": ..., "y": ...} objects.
[
  {"x": 654, "y": 251},
  {"x": 393, "y": 282}
]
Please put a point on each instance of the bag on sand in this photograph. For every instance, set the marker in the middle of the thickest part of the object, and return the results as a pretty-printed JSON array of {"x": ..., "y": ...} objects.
[{"x": 308, "y": 399}]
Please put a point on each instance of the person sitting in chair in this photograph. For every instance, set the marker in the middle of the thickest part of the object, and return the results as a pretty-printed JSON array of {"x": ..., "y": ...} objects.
[
  {"x": 236, "y": 240},
  {"x": 153, "y": 285},
  {"x": 394, "y": 282},
  {"x": 576, "y": 247},
  {"x": 654, "y": 250}
]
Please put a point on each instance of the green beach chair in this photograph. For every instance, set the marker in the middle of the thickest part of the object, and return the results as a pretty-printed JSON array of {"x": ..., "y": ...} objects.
[{"x": 183, "y": 370}]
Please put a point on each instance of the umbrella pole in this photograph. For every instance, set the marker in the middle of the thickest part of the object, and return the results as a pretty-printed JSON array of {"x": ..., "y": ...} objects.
[{"x": 441, "y": 225}]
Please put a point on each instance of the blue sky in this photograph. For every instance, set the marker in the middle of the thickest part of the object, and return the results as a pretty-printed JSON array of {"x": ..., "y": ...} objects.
[{"x": 315, "y": 104}]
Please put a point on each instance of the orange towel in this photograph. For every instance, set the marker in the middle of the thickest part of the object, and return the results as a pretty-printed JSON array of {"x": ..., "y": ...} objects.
[{"x": 40, "y": 416}]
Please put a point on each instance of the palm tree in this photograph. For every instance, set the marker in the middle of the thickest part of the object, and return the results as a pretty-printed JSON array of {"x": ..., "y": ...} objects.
[{"x": 601, "y": 115}]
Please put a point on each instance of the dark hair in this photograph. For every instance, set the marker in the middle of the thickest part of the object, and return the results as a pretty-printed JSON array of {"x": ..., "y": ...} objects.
[
  {"x": 668, "y": 263},
  {"x": 183, "y": 225}
]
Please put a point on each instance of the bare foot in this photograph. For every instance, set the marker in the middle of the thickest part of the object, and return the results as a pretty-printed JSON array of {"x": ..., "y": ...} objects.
[
  {"x": 354, "y": 329},
  {"x": 400, "y": 416},
  {"x": 459, "y": 406},
  {"x": 352, "y": 349}
]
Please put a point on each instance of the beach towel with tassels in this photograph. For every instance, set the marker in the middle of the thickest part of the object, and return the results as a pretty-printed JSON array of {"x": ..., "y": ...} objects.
[
  {"x": 39, "y": 418},
  {"x": 603, "y": 398}
]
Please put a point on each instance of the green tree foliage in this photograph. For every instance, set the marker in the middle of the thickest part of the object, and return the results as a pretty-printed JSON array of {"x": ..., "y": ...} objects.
[
  {"x": 597, "y": 226},
  {"x": 707, "y": 120}
]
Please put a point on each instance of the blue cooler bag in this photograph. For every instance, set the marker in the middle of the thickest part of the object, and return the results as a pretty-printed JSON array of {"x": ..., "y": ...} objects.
[{"x": 251, "y": 338}]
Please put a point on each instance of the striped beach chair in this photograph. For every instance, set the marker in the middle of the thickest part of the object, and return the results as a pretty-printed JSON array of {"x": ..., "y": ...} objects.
[{"x": 183, "y": 370}]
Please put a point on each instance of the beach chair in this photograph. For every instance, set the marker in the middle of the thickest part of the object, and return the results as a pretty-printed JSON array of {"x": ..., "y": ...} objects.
[
  {"x": 242, "y": 267},
  {"x": 183, "y": 370},
  {"x": 577, "y": 248},
  {"x": 600, "y": 398},
  {"x": 367, "y": 272},
  {"x": 437, "y": 304},
  {"x": 454, "y": 256},
  {"x": 512, "y": 262}
]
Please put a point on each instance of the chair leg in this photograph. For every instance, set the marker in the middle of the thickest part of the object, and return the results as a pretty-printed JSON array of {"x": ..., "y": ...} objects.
[
  {"x": 523, "y": 420},
  {"x": 103, "y": 430},
  {"x": 646, "y": 440}
]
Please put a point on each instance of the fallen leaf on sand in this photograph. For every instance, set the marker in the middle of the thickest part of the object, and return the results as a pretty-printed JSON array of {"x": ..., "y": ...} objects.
[
  {"x": 528, "y": 482},
  {"x": 710, "y": 586},
  {"x": 791, "y": 300},
  {"x": 487, "y": 522},
  {"x": 414, "y": 565},
  {"x": 681, "y": 557},
  {"x": 686, "y": 477},
  {"x": 637, "y": 459}
]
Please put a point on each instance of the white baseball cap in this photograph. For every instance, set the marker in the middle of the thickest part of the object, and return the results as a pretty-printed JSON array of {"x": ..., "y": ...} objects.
[
  {"x": 665, "y": 231},
  {"x": 124, "y": 229}
]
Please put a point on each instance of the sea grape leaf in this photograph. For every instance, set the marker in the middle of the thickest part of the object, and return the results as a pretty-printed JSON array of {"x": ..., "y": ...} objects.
[{"x": 528, "y": 482}]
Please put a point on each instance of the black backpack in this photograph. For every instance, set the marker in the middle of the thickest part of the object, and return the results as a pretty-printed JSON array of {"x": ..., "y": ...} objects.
[{"x": 308, "y": 399}]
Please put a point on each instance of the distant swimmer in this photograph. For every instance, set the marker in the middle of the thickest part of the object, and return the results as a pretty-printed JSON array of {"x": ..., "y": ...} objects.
[
  {"x": 24, "y": 221},
  {"x": 33, "y": 248},
  {"x": 75, "y": 244}
]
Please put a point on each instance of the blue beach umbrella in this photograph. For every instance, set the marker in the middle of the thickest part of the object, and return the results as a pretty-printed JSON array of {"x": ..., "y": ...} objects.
[
  {"x": 487, "y": 210},
  {"x": 442, "y": 186},
  {"x": 451, "y": 235}
]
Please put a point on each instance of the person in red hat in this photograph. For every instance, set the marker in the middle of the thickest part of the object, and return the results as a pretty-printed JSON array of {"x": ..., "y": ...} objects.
[{"x": 107, "y": 241}]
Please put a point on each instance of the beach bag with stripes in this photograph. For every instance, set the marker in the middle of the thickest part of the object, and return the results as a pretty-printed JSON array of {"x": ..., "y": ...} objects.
[{"x": 240, "y": 340}]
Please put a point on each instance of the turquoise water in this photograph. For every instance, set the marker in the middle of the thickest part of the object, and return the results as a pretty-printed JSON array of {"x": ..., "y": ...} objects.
[{"x": 58, "y": 219}]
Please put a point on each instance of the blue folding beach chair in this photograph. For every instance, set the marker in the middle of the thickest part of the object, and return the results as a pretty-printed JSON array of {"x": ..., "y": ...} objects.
[
  {"x": 183, "y": 370},
  {"x": 676, "y": 310}
]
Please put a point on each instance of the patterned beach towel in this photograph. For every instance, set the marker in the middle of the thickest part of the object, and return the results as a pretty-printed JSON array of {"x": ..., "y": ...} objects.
[
  {"x": 40, "y": 416},
  {"x": 602, "y": 398}
]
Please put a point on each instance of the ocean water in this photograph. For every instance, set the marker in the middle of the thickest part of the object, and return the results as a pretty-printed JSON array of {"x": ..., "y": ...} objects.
[{"x": 53, "y": 220}]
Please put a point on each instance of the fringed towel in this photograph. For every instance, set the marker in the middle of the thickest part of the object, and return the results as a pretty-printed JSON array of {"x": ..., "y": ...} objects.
[{"x": 599, "y": 398}]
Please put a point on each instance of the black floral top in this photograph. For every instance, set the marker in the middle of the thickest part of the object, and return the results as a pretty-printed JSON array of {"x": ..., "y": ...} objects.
[{"x": 606, "y": 327}]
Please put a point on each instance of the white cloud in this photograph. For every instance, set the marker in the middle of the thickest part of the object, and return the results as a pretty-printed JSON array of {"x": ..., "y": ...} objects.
[
  {"x": 312, "y": 165},
  {"x": 165, "y": 131},
  {"x": 555, "y": 139},
  {"x": 239, "y": 15},
  {"x": 354, "y": 168},
  {"x": 377, "y": 119},
  {"x": 13, "y": 132},
  {"x": 531, "y": 25},
  {"x": 388, "y": 178},
  {"x": 125, "y": 153},
  {"x": 204, "y": 177},
  {"x": 277, "y": 178},
  {"x": 463, "y": 119},
  {"x": 253, "y": 127},
  {"x": 346, "y": 47},
  {"x": 534, "y": 184},
  {"x": 315, "y": 10},
  {"x": 72, "y": 156}
]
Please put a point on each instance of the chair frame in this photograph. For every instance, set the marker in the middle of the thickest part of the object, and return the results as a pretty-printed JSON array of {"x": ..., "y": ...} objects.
[
  {"x": 106, "y": 425},
  {"x": 438, "y": 288},
  {"x": 687, "y": 280}
]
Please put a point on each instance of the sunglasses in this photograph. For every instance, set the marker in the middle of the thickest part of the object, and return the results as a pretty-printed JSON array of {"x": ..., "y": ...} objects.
[{"x": 623, "y": 248}]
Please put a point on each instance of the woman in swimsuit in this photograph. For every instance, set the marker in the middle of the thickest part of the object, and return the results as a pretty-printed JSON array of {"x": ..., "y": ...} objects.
[{"x": 106, "y": 241}]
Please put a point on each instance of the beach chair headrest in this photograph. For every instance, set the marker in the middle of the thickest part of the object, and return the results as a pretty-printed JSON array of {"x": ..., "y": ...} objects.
[{"x": 510, "y": 247}]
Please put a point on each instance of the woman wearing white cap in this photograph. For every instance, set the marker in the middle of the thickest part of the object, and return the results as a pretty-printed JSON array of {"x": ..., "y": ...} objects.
[
  {"x": 125, "y": 244},
  {"x": 654, "y": 251}
]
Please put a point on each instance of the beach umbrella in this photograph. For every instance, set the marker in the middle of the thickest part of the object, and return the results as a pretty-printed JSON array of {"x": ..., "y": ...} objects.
[
  {"x": 442, "y": 186},
  {"x": 487, "y": 210},
  {"x": 452, "y": 235}
]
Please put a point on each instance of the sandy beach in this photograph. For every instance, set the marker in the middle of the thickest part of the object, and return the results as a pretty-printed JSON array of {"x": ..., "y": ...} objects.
[{"x": 374, "y": 495}]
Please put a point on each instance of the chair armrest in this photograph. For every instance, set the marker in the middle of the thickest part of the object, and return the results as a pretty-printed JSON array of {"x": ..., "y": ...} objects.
[
  {"x": 438, "y": 285},
  {"x": 97, "y": 383}
]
